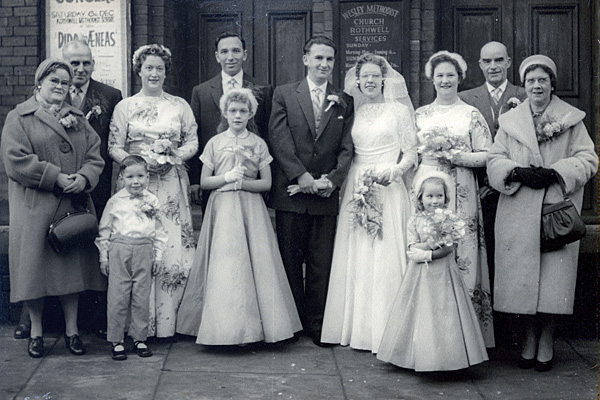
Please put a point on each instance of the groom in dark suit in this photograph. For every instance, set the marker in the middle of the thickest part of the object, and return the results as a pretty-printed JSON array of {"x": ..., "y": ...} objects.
[
  {"x": 230, "y": 52},
  {"x": 309, "y": 137},
  {"x": 492, "y": 99},
  {"x": 97, "y": 101}
]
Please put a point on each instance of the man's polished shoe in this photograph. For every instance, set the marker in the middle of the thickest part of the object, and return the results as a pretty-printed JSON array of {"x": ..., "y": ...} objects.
[
  {"x": 22, "y": 331},
  {"x": 74, "y": 345},
  {"x": 544, "y": 366},
  {"x": 35, "y": 349},
  {"x": 316, "y": 338}
]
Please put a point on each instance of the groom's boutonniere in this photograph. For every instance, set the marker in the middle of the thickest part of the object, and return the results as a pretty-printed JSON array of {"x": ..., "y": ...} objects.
[
  {"x": 333, "y": 100},
  {"x": 94, "y": 112}
]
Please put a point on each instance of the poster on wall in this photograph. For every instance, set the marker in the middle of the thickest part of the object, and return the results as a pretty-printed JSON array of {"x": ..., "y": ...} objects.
[
  {"x": 376, "y": 27},
  {"x": 103, "y": 24}
]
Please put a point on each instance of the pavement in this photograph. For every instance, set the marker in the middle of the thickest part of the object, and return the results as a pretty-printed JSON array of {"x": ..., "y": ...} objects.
[{"x": 180, "y": 369}]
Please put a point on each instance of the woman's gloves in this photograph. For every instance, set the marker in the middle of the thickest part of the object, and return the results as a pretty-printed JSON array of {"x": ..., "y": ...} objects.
[
  {"x": 534, "y": 177},
  {"x": 418, "y": 255},
  {"x": 235, "y": 174}
]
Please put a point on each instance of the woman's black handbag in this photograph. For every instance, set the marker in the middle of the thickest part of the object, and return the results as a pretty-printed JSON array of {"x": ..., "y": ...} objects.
[
  {"x": 561, "y": 223},
  {"x": 73, "y": 228}
]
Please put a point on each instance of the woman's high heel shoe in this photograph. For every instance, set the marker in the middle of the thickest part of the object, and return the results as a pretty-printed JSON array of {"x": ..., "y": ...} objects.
[
  {"x": 544, "y": 366},
  {"x": 527, "y": 363},
  {"x": 35, "y": 349}
]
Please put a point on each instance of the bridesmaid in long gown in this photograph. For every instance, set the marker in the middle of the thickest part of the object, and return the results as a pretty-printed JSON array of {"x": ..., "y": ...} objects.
[
  {"x": 143, "y": 121},
  {"x": 367, "y": 265},
  {"x": 466, "y": 124}
]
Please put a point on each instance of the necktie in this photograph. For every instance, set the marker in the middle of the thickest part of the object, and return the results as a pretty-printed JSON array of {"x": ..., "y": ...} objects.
[
  {"x": 77, "y": 98},
  {"x": 231, "y": 84},
  {"x": 317, "y": 101},
  {"x": 496, "y": 95}
]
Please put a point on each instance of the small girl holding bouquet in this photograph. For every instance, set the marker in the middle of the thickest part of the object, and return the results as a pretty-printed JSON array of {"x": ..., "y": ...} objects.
[
  {"x": 433, "y": 325},
  {"x": 237, "y": 292}
]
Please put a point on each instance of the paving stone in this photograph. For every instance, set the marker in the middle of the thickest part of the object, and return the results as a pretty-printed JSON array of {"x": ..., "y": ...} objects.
[
  {"x": 206, "y": 385},
  {"x": 300, "y": 357}
]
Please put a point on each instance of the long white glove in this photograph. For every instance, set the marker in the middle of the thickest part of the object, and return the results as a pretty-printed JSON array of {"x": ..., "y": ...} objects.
[
  {"x": 235, "y": 174},
  {"x": 418, "y": 255}
]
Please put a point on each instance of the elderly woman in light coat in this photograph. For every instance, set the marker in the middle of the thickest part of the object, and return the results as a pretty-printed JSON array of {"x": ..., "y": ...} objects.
[
  {"x": 525, "y": 165},
  {"x": 51, "y": 155}
]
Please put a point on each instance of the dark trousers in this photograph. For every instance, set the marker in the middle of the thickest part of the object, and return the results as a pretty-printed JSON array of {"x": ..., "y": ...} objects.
[{"x": 308, "y": 239}]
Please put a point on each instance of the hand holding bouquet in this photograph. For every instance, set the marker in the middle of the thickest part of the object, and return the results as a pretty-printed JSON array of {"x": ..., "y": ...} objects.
[
  {"x": 367, "y": 210},
  {"x": 443, "y": 228},
  {"x": 441, "y": 144},
  {"x": 162, "y": 151}
]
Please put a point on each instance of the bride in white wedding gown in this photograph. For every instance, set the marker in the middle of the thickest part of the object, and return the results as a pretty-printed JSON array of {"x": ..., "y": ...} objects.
[{"x": 368, "y": 265}]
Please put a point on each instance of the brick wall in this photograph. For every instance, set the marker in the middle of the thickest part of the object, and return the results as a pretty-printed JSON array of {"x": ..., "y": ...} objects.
[{"x": 19, "y": 51}]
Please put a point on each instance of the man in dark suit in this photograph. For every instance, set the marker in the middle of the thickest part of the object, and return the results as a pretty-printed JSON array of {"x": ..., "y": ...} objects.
[
  {"x": 496, "y": 96},
  {"x": 309, "y": 137},
  {"x": 230, "y": 54},
  {"x": 97, "y": 101}
]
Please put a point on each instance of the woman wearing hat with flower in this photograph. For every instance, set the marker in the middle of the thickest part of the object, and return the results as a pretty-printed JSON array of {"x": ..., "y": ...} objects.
[
  {"x": 161, "y": 128},
  {"x": 540, "y": 143},
  {"x": 52, "y": 158}
]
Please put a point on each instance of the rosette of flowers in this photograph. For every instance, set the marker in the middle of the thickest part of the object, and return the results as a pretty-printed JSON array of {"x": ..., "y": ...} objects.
[
  {"x": 444, "y": 227},
  {"x": 441, "y": 144}
]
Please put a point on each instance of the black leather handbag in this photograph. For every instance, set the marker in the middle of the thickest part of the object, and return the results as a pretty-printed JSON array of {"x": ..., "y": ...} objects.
[
  {"x": 72, "y": 228},
  {"x": 561, "y": 223}
]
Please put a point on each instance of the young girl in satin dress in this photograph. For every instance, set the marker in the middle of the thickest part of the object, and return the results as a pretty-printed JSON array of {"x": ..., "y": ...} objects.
[
  {"x": 238, "y": 292},
  {"x": 433, "y": 325}
]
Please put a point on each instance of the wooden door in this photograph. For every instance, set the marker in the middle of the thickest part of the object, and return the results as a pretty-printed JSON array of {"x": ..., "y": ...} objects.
[
  {"x": 280, "y": 30},
  {"x": 557, "y": 28}
]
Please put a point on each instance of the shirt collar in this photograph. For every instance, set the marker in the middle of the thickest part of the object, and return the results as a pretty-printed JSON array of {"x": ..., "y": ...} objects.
[
  {"x": 502, "y": 87},
  {"x": 239, "y": 78},
  {"x": 123, "y": 193},
  {"x": 312, "y": 86},
  {"x": 243, "y": 135},
  {"x": 84, "y": 88}
]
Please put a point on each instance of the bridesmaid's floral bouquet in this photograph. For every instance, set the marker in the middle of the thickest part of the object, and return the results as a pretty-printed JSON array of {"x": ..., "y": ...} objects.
[
  {"x": 441, "y": 144},
  {"x": 162, "y": 151},
  {"x": 367, "y": 209},
  {"x": 444, "y": 227},
  {"x": 548, "y": 128}
]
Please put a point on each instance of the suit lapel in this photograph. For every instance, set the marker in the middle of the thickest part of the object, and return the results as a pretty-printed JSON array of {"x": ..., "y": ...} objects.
[
  {"x": 216, "y": 89},
  {"x": 325, "y": 116},
  {"x": 303, "y": 95},
  {"x": 483, "y": 103}
]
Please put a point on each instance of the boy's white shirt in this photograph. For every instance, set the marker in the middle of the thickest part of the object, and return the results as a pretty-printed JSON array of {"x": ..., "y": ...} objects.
[{"x": 123, "y": 216}]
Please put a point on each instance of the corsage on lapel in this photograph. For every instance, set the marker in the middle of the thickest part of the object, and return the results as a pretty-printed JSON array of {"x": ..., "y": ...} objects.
[
  {"x": 94, "y": 112},
  {"x": 68, "y": 117},
  {"x": 334, "y": 99}
]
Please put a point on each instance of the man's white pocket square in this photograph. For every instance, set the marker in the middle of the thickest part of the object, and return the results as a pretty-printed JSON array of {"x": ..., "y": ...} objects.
[{"x": 340, "y": 117}]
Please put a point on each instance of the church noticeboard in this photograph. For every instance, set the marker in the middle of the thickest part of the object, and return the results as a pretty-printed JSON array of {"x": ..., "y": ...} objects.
[
  {"x": 376, "y": 27},
  {"x": 103, "y": 24}
]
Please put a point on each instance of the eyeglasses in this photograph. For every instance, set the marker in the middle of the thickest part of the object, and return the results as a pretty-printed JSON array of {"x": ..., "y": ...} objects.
[
  {"x": 541, "y": 81},
  {"x": 56, "y": 82},
  {"x": 233, "y": 111}
]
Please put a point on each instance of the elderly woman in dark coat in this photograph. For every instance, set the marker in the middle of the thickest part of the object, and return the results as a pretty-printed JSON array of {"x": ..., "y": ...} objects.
[
  {"x": 51, "y": 156},
  {"x": 539, "y": 143}
]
